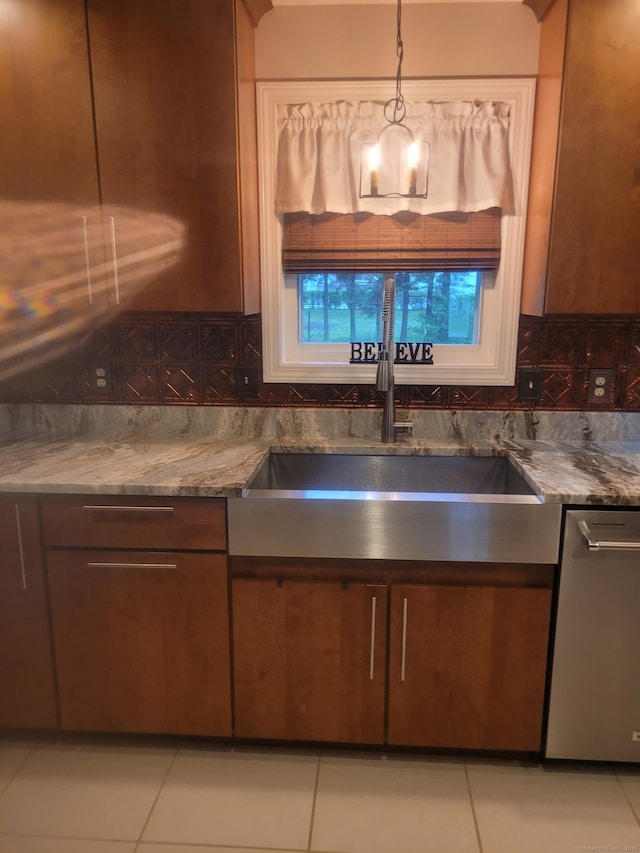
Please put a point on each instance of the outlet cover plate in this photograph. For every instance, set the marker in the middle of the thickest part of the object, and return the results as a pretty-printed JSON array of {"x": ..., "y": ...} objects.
[{"x": 600, "y": 384}]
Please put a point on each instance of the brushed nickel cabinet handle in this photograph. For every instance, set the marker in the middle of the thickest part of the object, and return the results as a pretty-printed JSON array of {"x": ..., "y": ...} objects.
[
  {"x": 114, "y": 258},
  {"x": 106, "y": 565},
  {"x": 87, "y": 259},
  {"x": 23, "y": 573},
  {"x": 372, "y": 646},
  {"x": 403, "y": 659},
  {"x": 110, "y": 508}
]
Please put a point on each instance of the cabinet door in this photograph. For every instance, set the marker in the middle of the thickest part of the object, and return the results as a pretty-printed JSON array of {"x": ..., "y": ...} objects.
[
  {"x": 309, "y": 660},
  {"x": 27, "y": 692},
  {"x": 467, "y": 666},
  {"x": 47, "y": 150},
  {"x": 141, "y": 641},
  {"x": 49, "y": 191},
  {"x": 595, "y": 250},
  {"x": 164, "y": 82}
]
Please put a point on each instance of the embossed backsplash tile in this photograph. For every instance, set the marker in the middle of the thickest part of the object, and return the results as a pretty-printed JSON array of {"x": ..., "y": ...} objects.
[{"x": 194, "y": 360}]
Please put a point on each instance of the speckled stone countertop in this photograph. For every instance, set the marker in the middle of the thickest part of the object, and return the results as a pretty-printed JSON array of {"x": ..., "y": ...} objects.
[
  {"x": 580, "y": 473},
  {"x": 172, "y": 467},
  {"x": 212, "y": 453},
  {"x": 601, "y": 473}
]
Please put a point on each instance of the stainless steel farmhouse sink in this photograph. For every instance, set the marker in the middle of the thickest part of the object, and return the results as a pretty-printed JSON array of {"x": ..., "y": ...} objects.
[
  {"x": 472, "y": 475},
  {"x": 388, "y": 506}
]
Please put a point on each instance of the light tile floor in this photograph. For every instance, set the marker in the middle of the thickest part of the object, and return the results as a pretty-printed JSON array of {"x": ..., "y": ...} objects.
[{"x": 102, "y": 795}]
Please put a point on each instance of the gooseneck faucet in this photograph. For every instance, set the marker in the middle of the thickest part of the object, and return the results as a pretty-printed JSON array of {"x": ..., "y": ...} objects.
[{"x": 384, "y": 376}]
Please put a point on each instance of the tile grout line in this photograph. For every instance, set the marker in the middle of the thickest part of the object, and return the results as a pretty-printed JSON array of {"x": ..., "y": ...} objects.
[
  {"x": 138, "y": 842},
  {"x": 473, "y": 808},
  {"x": 627, "y": 798},
  {"x": 314, "y": 802},
  {"x": 98, "y": 839},
  {"x": 31, "y": 750}
]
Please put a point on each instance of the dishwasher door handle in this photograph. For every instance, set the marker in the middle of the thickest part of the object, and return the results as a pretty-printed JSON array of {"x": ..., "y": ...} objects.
[{"x": 606, "y": 544}]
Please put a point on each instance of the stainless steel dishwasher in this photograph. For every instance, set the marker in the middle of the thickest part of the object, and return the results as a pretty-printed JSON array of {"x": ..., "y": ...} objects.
[{"x": 594, "y": 703}]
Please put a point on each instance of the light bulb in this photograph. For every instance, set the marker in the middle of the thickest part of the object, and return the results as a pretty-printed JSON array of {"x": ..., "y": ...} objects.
[
  {"x": 413, "y": 158},
  {"x": 413, "y": 155},
  {"x": 374, "y": 163}
]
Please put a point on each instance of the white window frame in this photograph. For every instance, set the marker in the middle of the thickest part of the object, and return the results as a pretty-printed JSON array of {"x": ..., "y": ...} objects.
[{"x": 492, "y": 361}]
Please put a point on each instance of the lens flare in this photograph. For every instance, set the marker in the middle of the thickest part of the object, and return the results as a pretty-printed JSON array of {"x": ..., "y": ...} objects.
[{"x": 60, "y": 262}]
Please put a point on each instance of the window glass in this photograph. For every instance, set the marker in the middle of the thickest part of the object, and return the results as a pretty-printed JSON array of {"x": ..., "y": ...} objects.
[{"x": 439, "y": 307}]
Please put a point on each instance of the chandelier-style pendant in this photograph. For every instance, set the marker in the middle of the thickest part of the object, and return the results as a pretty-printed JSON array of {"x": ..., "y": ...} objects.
[{"x": 397, "y": 165}]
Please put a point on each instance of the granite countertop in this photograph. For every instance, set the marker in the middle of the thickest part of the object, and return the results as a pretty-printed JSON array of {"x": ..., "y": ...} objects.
[
  {"x": 175, "y": 466},
  {"x": 579, "y": 472}
]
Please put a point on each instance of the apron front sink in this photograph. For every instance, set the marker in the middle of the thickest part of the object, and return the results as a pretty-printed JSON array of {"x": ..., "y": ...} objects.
[{"x": 400, "y": 507}]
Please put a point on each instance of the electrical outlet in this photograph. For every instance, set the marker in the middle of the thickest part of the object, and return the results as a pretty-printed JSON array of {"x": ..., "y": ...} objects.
[
  {"x": 247, "y": 381},
  {"x": 100, "y": 376},
  {"x": 600, "y": 385},
  {"x": 530, "y": 385}
]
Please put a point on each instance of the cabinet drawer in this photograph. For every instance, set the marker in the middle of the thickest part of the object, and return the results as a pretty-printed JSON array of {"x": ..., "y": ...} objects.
[
  {"x": 141, "y": 641},
  {"x": 104, "y": 521}
]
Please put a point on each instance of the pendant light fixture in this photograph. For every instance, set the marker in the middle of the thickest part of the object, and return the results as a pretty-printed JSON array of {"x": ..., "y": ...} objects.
[{"x": 397, "y": 164}]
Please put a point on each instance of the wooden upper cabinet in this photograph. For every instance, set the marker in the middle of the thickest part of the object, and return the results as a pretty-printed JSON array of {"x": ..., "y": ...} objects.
[
  {"x": 590, "y": 255},
  {"x": 49, "y": 188},
  {"x": 129, "y": 168},
  {"x": 47, "y": 152},
  {"x": 176, "y": 143}
]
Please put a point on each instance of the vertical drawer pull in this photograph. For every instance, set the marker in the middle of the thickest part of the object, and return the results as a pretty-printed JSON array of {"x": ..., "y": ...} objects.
[
  {"x": 114, "y": 258},
  {"x": 403, "y": 660},
  {"x": 372, "y": 647},
  {"x": 109, "y": 508},
  {"x": 23, "y": 573},
  {"x": 106, "y": 565},
  {"x": 87, "y": 260}
]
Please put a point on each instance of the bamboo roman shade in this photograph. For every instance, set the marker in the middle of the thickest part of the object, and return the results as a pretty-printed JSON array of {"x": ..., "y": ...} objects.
[{"x": 404, "y": 242}]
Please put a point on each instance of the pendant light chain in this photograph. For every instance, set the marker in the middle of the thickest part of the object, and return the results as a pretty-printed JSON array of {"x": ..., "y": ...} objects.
[{"x": 399, "y": 106}]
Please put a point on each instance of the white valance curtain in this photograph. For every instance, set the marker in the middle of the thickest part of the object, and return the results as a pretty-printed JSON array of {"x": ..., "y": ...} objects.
[{"x": 320, "y": 150}]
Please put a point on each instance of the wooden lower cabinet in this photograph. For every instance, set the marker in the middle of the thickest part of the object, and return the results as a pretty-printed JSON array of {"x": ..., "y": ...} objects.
[
  {"x": 459, "y": 663},
  {"x": 141, "y": 641},
  {"x": 309, "y": 660},
  {"x": 467, "y": 666},
  {"x": 27, "y": 689}
]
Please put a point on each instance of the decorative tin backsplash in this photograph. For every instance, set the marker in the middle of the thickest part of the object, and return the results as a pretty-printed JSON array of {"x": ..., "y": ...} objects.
[{"x": 215, "y": 359}]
